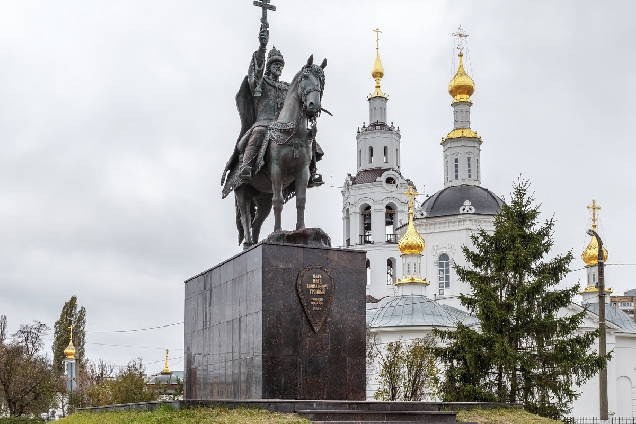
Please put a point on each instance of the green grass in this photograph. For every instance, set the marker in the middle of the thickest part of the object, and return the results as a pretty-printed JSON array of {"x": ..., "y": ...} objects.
[
  {"x": 501, "y": 416},
  {"x": 166, "y": 415}
]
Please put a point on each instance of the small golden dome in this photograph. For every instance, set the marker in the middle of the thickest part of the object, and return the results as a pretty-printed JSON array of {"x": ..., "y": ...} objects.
[
  {"x": 166, "y": 368},
  {"x": 411, "y": 242},
  {"x": 590, "y": 254},
  {"x": 69, "y": 352},
  {"x": 378, "y": 69},
  {"x": 461, "y": 87}
]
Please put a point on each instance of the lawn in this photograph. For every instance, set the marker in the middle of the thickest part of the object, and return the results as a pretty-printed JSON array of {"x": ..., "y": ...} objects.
[
  {"x": 501, "y": 416},
  {"x": 166, "y": 415}
]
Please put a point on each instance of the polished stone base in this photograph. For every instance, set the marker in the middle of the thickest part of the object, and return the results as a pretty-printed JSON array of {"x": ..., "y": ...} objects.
[
  {"x": 247, "y": 335},
  {"x": 304, "y": 237}
]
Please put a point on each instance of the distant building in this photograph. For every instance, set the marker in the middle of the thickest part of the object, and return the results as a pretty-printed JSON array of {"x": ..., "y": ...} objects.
[
  {"x": 167, "y": 383},
  {"x": 626, "y": 303}
]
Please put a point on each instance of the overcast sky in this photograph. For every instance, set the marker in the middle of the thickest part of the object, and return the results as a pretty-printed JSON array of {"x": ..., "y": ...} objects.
[{"x": 117, "y": 118}]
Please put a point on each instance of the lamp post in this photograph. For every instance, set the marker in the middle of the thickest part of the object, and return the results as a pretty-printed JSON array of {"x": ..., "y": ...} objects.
[{"x": 602, "y": 341}]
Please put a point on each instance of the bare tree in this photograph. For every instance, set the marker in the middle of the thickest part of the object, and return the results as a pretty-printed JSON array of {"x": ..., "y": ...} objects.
[{"x": 27, "y": 382}]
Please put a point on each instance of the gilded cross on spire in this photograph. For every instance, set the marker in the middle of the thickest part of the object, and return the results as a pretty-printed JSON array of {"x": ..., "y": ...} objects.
[
  {"x": 594, "y": 207},
  {"x": 71, "y": 327},
  {"x": 460, "y": 34},
  {"x": 377, "y": 38},
  {"x": 411, "y": 193}
]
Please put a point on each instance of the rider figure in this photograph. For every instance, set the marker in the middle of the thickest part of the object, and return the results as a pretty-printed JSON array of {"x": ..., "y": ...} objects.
[{"x": 268, "y": 94}]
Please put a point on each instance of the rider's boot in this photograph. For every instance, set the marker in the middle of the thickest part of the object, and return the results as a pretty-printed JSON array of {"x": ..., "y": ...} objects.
[
  {"x": 245, "y": 172},
  {"x": 315, "y": 180}
]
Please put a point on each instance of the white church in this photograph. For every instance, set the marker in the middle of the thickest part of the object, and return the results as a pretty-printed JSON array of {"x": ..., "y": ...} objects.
[{"x": 411, "y": 249}]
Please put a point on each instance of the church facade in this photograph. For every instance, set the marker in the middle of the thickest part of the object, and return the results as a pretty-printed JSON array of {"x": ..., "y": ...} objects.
[{"x": 411, "y": 248}]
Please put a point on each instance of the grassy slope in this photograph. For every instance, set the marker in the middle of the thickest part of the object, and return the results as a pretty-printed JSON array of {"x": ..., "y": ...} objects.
[
  {"x": 245, "y": 416},
  {"x": 501, "y": 416},
  {"x": 185, "y": 416}
]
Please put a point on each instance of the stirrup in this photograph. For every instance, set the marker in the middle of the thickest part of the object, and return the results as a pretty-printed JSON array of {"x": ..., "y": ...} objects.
[
  {"x": 246, "y": 172},
  {"x": 315, "y": 181}
]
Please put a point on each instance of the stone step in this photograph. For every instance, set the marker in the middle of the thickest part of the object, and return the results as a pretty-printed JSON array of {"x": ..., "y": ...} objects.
[
  {"x": 338, "y": 415},
  {"x": 378, "y": 422}
]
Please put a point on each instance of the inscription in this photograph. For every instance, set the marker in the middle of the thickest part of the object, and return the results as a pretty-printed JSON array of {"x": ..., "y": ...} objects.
[{"x": 315, "y": 287}]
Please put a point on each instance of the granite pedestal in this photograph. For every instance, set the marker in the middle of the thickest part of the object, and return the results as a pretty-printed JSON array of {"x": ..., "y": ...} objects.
[{"x": 247, "y": 335}]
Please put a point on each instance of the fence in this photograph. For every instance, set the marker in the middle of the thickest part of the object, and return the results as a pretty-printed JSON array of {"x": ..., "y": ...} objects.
[{"x": 586, "y": 420}]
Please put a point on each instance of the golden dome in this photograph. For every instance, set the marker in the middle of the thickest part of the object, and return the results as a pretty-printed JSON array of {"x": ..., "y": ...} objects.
[
  {"x": 378, "y": 70},
  {"x": 590, "y": 254},
  {"x": 166, "y": 368},
  {"x": 69, "y": 352},
  {"x": 411, "y": 242},
  {"x": 461, "y": 86}
]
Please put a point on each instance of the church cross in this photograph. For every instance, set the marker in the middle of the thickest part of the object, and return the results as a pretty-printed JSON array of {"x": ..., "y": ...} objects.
[
  {"x": 411, "y": 193},
  {"x": 71, "y": 327},
  {"x": 265, "y": 6},
  {"x": 460, "y": 34},
  {"x": 377, "y": 38},
  {"x": 594, "y": 207}
]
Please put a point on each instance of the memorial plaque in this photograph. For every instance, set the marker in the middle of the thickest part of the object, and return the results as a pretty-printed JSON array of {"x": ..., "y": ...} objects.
[{"x": 315, "y": 286}]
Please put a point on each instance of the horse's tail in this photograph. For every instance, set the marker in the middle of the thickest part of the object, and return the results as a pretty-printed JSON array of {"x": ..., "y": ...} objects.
[{"x": 239, "y": 225}]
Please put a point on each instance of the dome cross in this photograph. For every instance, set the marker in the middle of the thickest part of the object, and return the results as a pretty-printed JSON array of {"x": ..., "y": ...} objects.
[{"x": 594, "y": 207}]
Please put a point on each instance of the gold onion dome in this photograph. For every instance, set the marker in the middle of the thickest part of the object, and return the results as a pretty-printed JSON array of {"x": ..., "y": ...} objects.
[
  {"x": 411, "y": 242},
  {"x": 590, "y": 254},
  {"x": 378, "y": 70},
  {"x": 69, "y": 352},
  {"x": 461, "y": 87}
]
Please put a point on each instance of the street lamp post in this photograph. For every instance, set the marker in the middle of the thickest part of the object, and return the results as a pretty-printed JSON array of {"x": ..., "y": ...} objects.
[{"x": 602, "y": 341}]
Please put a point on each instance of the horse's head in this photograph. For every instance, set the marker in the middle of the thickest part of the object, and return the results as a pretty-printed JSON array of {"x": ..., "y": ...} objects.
[{"x": 311, "y": 84}]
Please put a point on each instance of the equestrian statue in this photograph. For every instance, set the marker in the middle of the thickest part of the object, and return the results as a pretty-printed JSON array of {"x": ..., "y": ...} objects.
[{"x": 275, "y": 156}]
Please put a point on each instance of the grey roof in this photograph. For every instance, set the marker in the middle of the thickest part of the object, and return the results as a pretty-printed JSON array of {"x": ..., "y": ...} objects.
[
  {"x": 415, "y": 311},
  {"x": 631, "y": 292},
  {"x": 448, "y": 201},
  {"x": 368, "y": 175},
  {"x": 615, "y": 316}
]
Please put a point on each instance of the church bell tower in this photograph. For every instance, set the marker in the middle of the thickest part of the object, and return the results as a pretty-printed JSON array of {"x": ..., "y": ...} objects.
[{"x": 373, "y": 199}]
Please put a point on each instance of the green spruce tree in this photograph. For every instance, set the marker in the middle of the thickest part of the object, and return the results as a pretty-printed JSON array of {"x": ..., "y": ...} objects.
[
  {"x": 70, "y": 314},
  {"x": 524, "y": 352}
]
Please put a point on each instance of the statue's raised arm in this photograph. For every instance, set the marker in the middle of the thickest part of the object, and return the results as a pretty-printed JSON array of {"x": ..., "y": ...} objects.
[{"x": 257, "y": 64}]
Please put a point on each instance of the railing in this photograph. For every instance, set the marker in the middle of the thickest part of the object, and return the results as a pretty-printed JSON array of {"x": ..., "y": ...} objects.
[
  {"x": 593, "y": 420},
  {"x": 366, "y": 239},
  {"x": 392, "y": 238}
]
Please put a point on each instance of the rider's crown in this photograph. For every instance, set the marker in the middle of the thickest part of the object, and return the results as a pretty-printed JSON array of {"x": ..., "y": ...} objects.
[{"x": 275, "y": 56}]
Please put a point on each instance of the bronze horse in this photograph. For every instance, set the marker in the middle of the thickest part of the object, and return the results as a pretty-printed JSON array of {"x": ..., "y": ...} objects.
[{"x": 283, "y": 164}]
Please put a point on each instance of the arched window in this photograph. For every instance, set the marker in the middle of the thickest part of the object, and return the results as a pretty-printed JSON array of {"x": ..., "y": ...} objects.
[
  {"x": 359, "y": 157},
  {"x": 397, "y": 158},
  {"x": 370, "y": 154},
  {"x": 386, "y": 154},
  {"x": 457, "y": 168},
  {"x": 368, "y": 272},
  {"x": 390, "y": 272},
  {"x": 443, "y": 272},
  {"x": 389, "y": 224},
  {"x": 470, "y": 168},
  {"x": 365, "y": 221}
]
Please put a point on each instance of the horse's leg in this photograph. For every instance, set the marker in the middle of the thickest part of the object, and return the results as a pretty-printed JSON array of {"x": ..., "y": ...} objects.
[
  {"x": 244, "y": 199},
  {"x": 302, "y": 177},
  {"x": 263, "y": 208},
  {"x": 277, "y": 195}
]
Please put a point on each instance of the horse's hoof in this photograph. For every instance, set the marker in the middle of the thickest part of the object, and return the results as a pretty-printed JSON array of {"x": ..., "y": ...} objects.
[
  {"x": 300, "y": 227},
  {"x": 247, "y": 245}
]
